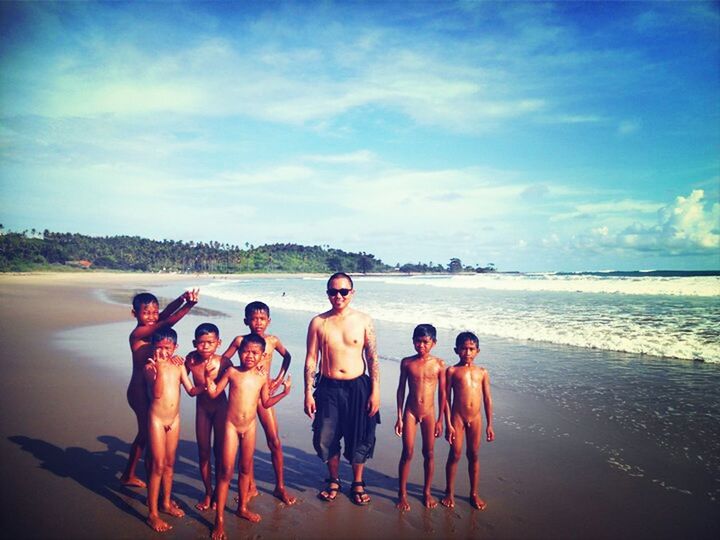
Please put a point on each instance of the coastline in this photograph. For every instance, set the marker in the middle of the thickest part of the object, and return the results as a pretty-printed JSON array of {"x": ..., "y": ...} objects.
[{"x": 67, "y": 428}]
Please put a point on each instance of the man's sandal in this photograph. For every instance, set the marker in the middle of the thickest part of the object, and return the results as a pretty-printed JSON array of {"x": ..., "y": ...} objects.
[
  {"x": 330, "y": 493},
  {"x": 361, "y": 498}
]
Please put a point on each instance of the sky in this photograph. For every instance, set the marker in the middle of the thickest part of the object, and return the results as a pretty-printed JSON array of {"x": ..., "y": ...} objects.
[{"x": 535, "y": 136}]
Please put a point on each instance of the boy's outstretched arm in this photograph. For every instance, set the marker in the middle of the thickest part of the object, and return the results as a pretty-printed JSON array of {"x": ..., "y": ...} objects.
[
  {"x": 214, "y": 390},
  {"x": 172, "y": 307},
  {"x": 189, "y": 388},
  {"x": 269, "y": 401},
  {"x": 487, "y": 402},
  {"x": 400, "y": 396},
  {"x": 232, "y": 348},
  {"x": 280, "y": 348},
  {"x": 144, "y": 332},
  {"x": 442, "y": 398}
]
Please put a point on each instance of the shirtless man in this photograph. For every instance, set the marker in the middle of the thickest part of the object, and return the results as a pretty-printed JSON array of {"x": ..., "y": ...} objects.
[
  {"x": 346, "y": 402},
  {"x": 247, "y": 385},
  {"x": 470, "y": 388},
  {"x": 423, "y": 374}
]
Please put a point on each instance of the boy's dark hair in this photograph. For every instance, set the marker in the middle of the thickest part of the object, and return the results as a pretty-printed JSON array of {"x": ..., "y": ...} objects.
[
  {"x": 462, "y": 337},
  {"x": 425, "y": 330},
  {"x": 142, "y": 299},
  {"x": 206, "y": 328},
  {"x": 257, "y": 305},
  {"x": 340, "y": 275},
  {"x": 165, "y": 333},
  {"x": 252, "y": 338}
]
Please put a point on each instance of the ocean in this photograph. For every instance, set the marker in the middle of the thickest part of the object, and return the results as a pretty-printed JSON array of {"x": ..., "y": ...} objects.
[
  {"x": 636, "y": 357},
  {"x": 660, "y": 316}
]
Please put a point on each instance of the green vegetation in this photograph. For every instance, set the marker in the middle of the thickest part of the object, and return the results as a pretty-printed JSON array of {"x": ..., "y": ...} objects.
[{"x": 35, "y": 250}]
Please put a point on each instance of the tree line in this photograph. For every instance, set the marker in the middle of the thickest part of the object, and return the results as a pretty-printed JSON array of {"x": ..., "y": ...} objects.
[{"x": 35, "y": 250}]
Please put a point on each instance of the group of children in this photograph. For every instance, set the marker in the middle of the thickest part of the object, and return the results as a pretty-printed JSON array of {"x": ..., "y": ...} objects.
[
  {"x": 223, "y": 423},
  {"x": 227, "y": 424}
]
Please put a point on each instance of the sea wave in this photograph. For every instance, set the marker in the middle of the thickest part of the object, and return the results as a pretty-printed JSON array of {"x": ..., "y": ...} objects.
[
  {"x": 660, "y": 328},
  {"x": 705, "y": 286}
]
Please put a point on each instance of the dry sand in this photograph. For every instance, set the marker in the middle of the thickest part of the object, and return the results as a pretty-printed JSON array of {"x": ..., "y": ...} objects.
[{"x": 66, "y": 429}]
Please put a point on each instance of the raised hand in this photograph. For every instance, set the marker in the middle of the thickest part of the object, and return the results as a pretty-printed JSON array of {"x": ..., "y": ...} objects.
[{"x": 192, "y": 296}]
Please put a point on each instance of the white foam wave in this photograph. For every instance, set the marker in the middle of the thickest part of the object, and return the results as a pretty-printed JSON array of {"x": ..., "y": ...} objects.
[
  {"x": 646, "y": 285},
  {"x": 617, "y": 331}
]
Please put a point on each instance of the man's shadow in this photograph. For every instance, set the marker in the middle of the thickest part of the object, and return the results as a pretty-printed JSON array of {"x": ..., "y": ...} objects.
[{"x": 305, "y": 472}]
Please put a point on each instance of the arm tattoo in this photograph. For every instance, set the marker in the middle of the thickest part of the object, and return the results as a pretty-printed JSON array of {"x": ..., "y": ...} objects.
[
  {"x": 309, "y": 375},
  {"x": 371, "y": 355}
]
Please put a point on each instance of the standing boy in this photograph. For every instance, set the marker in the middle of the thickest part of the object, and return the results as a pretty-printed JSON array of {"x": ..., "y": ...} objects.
[
  {"x": 247, "y": 385},
  {"x": 149, "y": 320},
  {"x": 469, "y": 386},
  {"x": 165, "y": 378},
  {"x": 209, "y": 413},
  {"x": 423, "y": 374},
  {"x": 257, "y": 318}
]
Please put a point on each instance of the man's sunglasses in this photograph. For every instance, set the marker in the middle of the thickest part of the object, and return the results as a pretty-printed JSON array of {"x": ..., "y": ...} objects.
[{"x": 343, "y": 292}]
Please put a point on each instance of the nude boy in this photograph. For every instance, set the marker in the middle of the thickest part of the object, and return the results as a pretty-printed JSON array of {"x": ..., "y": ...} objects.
[
  {"x": 469, "y": 386},
  {"x": 149, "y": 320},
  {"x": 423, "y": 374},
  {"x": 209, "y": 413},
  {"x": 165, "y": 378},
  {"x": 247, "y": 385},
  {"x": 257, "y": 318},
  {"x": 346, "y": 402}
]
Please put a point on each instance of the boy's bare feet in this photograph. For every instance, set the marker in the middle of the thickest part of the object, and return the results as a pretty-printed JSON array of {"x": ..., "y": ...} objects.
[
  {"x": 477, "y": 502},
  {"x": 132, "y": 481},
  {"x": 251, "y": 495},
  {"x": 402, "y": 503},
  {"x": 448, "y": 500},
  {"x": 157, "y": 524},
  {"x": 204, "y": 504},
  {"x": 173, "y": 509},
  {"x": 282, "y": 494},
  {"x": 429, "y": 501},
  {"x": 218, "y": 532},
  {"x": 247, "y": 514}
]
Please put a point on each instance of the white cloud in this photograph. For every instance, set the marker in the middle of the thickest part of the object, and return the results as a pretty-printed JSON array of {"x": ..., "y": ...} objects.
[
  {"x": 685, "y": 226},
  {"x": 358, "y": 157}
]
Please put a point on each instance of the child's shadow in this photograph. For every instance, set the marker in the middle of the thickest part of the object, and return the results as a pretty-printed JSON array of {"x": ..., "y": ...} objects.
[
  {"x": 97, "y": 471},
  {"x": 92, "y": 470}
]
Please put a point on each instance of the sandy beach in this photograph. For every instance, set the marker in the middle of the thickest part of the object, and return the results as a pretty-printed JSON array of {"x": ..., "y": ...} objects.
[{"x": 66, "y": 430}]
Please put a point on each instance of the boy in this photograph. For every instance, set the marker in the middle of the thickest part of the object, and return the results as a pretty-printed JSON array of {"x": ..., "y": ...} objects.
[
  {"x": 467, "y": 383},
  {"x": 257, "y": 318},
  {"x": 247, "y": 385},
  {"x": 209, "y": 413},
  {"x": 145, "y": 310},
  {"x": 165, "y": 378},
  {"x": 423, "y": 374}
]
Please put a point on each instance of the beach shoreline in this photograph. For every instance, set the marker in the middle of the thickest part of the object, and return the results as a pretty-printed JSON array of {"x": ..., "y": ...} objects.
[{"x": 67, "y": 428}]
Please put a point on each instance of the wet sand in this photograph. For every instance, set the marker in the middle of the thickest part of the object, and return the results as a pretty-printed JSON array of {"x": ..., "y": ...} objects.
[{"x": 66, "y": 429}]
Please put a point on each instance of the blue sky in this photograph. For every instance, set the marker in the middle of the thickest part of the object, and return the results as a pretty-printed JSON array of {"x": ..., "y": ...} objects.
[{"x": 537, "y": 136}]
